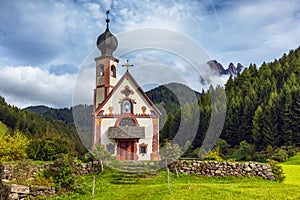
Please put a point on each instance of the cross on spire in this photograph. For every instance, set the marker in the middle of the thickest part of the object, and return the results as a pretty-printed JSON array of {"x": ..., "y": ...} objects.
[
  {"x": 127, "y": 65},
  {"x": 107, "y": 19}
]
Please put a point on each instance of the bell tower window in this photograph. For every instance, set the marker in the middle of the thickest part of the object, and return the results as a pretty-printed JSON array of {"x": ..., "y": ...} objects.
[
  {"x": 113, "y": 71},
  {"x": 101, "y": 70}
]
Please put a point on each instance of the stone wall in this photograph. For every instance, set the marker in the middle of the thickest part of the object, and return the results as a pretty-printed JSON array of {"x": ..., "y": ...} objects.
[
  {"x": 214, "y": 168},
  {"x": 20, "y": 192},
  {"x": 10, "y": 191}
]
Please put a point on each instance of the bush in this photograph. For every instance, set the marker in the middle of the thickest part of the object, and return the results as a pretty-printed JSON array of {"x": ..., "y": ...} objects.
[
  {"x": 223, "y": 147},
  {"x": 13, "y": 146},
  {"x": 280, "y": 155},
  {"x": 65, "y": 173},
  {"x": 244, "y": 152},
  {"x": 213, "y": 155},
  {"x": 277, "y": 170},
  {"x": 41, "y": 178}
]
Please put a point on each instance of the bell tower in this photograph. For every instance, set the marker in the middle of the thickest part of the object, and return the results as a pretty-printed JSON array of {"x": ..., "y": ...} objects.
[{"x": 106, "y": 65}]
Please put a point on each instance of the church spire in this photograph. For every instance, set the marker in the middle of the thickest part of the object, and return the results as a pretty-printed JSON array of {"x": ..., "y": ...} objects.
[
  {"x": 107, "y": 19},
  {"x": 107, "y": 43}
]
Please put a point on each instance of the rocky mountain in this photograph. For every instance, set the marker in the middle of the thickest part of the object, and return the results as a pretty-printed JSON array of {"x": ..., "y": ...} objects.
[{"x": 220, "y": 70}]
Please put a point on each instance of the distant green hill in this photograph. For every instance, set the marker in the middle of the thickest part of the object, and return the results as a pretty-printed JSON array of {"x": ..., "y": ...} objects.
[{"x": 63, "y": 114}]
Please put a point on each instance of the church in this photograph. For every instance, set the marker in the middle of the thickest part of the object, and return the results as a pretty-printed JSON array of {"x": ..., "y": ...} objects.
[{"x": 125, "y": 121}]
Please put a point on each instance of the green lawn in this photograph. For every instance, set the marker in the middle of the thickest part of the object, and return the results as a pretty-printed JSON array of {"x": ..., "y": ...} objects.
[
  {"x": 111, "y": 186},
  {"x": 292, "y": 170}
]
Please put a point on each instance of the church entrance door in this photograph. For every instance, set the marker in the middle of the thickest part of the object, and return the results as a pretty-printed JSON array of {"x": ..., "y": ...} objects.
[{"x": 126, "y": 149}]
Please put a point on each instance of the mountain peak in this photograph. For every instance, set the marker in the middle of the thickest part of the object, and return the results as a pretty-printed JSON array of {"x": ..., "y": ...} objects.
[{"x": 219, "y": 69}]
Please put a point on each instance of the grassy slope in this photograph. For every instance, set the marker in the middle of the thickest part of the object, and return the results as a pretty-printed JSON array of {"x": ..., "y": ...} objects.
[
  {"x": 292, "y": 170},
  {"x": 3, "y": 128},
  {"x": 196, "y": 187}
]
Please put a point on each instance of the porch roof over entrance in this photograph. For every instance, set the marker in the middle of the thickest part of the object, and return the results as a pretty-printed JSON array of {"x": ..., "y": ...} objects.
[{"x": 126, "y": 132}]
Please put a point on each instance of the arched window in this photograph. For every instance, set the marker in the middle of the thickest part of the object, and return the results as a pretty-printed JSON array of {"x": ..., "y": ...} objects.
[
  {"x": 127, "y": 122},
  {"x": 101, "y": 70},
  {"x": 126, "y": 106},
  {"x": 113, "y": 71}
]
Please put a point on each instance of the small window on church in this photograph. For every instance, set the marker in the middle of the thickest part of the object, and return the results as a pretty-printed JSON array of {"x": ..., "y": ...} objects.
[
  {"x": 111, "y": 148},
  {"x": 113, "y": 71},
  {"x": 126, "y": 106},
  {"x": 101, "y": 70},
  {"x": 143, "y": 148}
]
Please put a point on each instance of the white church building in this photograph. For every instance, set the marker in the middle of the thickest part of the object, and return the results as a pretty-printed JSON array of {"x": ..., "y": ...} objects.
[{"x": 126, "y": 122}]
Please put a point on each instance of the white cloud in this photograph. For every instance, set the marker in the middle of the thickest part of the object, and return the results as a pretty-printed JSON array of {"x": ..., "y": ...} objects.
[
  {"x": 54, "y": 33},
  {"x": 26, "y": 85}
]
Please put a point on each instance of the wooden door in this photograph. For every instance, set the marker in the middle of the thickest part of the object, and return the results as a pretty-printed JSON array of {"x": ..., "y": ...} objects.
[{"x": 126, "y": 149}]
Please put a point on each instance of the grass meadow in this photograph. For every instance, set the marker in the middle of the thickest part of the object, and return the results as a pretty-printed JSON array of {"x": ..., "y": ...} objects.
[{"x": 109, "y": 186}]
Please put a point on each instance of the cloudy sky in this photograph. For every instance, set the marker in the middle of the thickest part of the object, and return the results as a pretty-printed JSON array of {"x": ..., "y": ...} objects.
[{"x": 44, "y": 43}]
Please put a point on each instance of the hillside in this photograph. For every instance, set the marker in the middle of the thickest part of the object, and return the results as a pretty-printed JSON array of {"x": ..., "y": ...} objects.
[
  {"x": 167, "y": 96},
  {"x": 48, "y": 138},
  {"x": 263, "y": 104},
  {"x": 3, "y": 128},
  {"x": 63, "y": 114}
]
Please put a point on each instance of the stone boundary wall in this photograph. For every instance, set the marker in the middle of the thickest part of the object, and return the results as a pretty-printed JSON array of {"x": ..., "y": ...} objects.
[
  {"x": 214, "y": 168},
  {"x": 20, "y": 192},
  {"x": 10, "y": 191}
]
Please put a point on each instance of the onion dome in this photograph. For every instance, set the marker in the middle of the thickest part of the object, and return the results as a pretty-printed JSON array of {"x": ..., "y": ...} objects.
[{"x": 107, "y": 43}]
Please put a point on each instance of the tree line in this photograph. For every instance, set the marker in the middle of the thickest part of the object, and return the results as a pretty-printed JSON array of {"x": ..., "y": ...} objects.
[
  {"x": 45, "y": 138},
  {"x": 262, "y": 107}
]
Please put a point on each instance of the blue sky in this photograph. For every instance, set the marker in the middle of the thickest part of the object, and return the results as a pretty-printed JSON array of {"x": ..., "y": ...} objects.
[{"x": 44, "y": 43}]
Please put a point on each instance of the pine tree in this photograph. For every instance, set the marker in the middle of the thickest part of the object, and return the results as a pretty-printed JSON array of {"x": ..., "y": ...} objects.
[
  {"x": 270, "y": 128},
  {"x": 257, "y": 131}
]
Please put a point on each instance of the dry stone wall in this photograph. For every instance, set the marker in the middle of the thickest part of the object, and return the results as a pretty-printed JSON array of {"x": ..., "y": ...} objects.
[
  {"x": 10, "y": 191},
  {"x": 214, "y": 168},
  {"x": 20, "y": 192}
]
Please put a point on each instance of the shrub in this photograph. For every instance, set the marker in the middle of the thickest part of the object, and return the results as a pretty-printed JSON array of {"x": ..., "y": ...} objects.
[
  {"x": 41, "y": 178},
  {"x": 101, "y": 154},
  {"x": 280, "y": 155},
  {"x": 277, "y": 170},
  {"x": 65, "y": 173},
  {"x": 244, "y": 152},
  {"x": 170, "y": 153},
  {"x": 223, "y": 147},
  {"x": 213, "y": 155},
  {"x": 13, "y": 146}
]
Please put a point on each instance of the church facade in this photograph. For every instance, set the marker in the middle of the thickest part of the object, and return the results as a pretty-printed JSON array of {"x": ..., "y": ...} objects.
[{"x": 126, "y": 122}]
